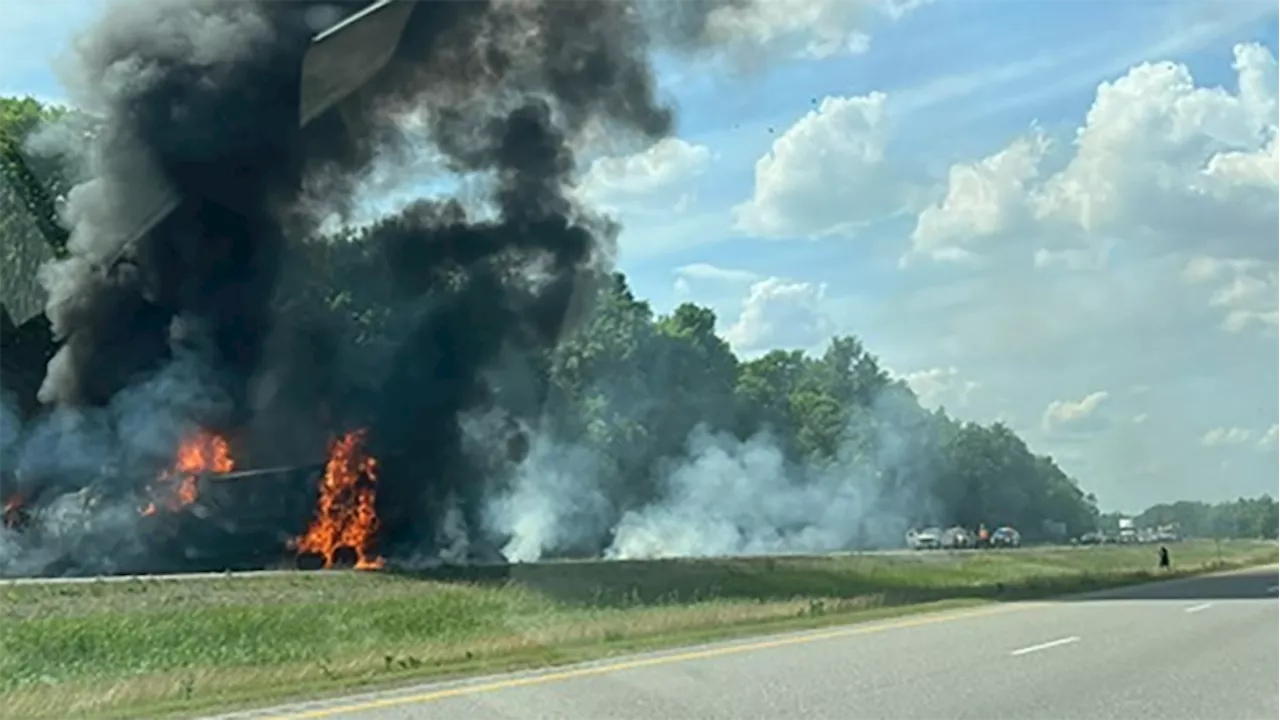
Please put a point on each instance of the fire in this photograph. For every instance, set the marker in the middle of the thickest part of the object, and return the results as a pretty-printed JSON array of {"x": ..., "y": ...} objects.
[
  {"x": 201, "y": 453},
  {"x": 345, "y": 515}
]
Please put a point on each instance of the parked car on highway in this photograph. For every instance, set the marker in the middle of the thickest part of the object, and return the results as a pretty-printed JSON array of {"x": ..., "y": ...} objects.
[
  {"x": 1006, "y": 537},
  {"x": 1092, "y": 538},
  {"x": 958, "y": 538},
  {"x": 929, "y": 538}
]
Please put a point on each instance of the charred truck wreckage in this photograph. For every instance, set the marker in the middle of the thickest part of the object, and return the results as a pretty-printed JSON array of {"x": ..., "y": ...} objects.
[{"x": 164, "y": 414}]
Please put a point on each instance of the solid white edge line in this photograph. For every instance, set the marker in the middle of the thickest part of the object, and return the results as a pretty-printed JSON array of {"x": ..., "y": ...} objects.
[{"x": 1046, "y": 645}]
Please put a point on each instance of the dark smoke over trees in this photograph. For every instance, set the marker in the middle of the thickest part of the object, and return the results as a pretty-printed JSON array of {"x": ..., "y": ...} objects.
[{"x": 518, "y": 396}]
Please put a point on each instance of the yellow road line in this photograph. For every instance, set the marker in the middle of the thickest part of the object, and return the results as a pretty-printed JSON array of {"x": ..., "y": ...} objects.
[{"x": 669, "y": 659}]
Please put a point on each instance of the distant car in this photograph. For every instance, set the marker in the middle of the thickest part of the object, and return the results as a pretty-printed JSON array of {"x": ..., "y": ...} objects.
[
  {"x": 957, "y": 538},
  {"x": 926, "y": 539},
  {"x": 1092, "y": 538},
  {"x": 1006, "y": 537}
]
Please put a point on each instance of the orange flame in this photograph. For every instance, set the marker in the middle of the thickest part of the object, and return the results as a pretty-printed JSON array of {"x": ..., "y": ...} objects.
[
  {"x": 344, "y": 513},
  {"x": 202, "y": 452}
]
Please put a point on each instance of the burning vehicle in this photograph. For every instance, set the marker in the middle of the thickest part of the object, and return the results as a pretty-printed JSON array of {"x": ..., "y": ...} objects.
[
  {"x": 166, "y": 418},
  {"x": 225, "y": 517},
  {"x": 204, "y": 515}
]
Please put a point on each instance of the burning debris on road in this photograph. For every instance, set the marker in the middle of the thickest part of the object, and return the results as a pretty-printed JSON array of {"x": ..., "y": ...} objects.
[{"x": 228, "y": 133}]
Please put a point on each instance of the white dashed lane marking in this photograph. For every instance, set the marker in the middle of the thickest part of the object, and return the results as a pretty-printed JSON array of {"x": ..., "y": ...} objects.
[{"x": 1046, "y": 645}]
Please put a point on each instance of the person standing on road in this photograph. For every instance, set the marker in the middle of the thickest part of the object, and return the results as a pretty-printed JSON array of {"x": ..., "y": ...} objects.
[{"x": 1164, "y": 558}]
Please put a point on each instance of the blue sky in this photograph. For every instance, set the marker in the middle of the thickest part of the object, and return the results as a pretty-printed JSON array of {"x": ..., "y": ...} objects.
[{"x": 1058, "y": 214}]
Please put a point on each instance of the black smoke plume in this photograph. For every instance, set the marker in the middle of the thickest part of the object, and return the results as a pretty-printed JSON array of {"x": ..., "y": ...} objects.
[{"x": 203, "y": 97}]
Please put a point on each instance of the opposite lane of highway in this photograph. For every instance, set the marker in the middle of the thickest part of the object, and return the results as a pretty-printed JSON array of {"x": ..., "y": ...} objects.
[{"x": 1132, "y": 653}]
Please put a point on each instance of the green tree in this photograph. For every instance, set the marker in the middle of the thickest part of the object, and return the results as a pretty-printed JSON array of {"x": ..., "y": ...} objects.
[{"x": 29, "y": 184}]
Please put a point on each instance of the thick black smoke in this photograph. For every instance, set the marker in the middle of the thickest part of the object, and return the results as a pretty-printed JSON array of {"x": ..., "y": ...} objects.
[
  {"x": 199, "y": 96},
  {"x": 204, "y": 96}
]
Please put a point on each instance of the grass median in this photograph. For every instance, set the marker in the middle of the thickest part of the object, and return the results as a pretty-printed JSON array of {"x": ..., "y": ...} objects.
[{"x": 157, "y": 648}]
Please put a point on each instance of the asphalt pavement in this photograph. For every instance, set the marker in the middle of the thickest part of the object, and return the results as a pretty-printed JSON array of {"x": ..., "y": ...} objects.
[{"x": 1201, "y": 648}]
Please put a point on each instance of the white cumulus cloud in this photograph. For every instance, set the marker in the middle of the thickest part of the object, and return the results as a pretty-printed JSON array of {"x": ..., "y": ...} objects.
[
  {"x": 1245, "y": 290},
  {"x": 654, "y": 193},
  {"x": 1083, "y": 415},
  {"x": 940, "y": 387},
  {"x": 826, "y": 175},
  {"x": 779, "y": 313},
  {"x": 1159, "y": 165},
  {"x": 1225, "y": 436},
  {"x": 1140, "y": 253},
  {"x": 983, "y": 198},
  {"x": 1269, "y": 438},
  {"x": 666, "y": 164}
]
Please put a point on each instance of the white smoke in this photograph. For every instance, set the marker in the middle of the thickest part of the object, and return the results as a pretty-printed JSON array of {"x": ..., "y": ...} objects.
[
  {"x": 742, "y": 498},
  {"x": 452, "y": 538},
  {"x": 725, "y": 497},
  {"x": 554, "y": 501}
]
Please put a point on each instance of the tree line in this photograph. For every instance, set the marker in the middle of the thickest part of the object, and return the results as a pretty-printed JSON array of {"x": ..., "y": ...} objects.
[
  {"x": 1244, "y": 517},
  {"x": 633, "y": 385}
]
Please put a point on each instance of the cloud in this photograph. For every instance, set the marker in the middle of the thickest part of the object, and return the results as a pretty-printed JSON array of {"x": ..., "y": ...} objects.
[
  {"x": 756, "y": 33},
  {"x": 1139, "y": 254},
  {"x": 705, "y": 273},
  {"x": 1268, "y": 439},
  {"x": 983, "y": 199},
  {"x": 758, "y": 313},
  {"x": 1076, "y": 416},
  {"x": 826, "y": 175},
  {"x": 1246, "y": 291},
  {"x": 779, "y": 313},
  {"x": 1221, "y": 436},
  {"x": 668, "y": 163},
  {"x": 654, "y": 194},
  {"x": 939, "y": 387},
  {"x": 1159, "y": 165}
]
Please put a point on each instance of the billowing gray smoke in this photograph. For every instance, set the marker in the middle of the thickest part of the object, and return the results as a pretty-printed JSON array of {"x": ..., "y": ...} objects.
[{"x": 204, "y": 100}]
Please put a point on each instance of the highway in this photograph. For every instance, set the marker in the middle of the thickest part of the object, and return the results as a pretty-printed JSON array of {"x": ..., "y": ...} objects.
[{"x": 1196, "y": 648}]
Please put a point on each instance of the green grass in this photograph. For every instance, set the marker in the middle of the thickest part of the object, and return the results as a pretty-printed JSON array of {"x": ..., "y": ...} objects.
[{"x": 155, "y": 648}]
